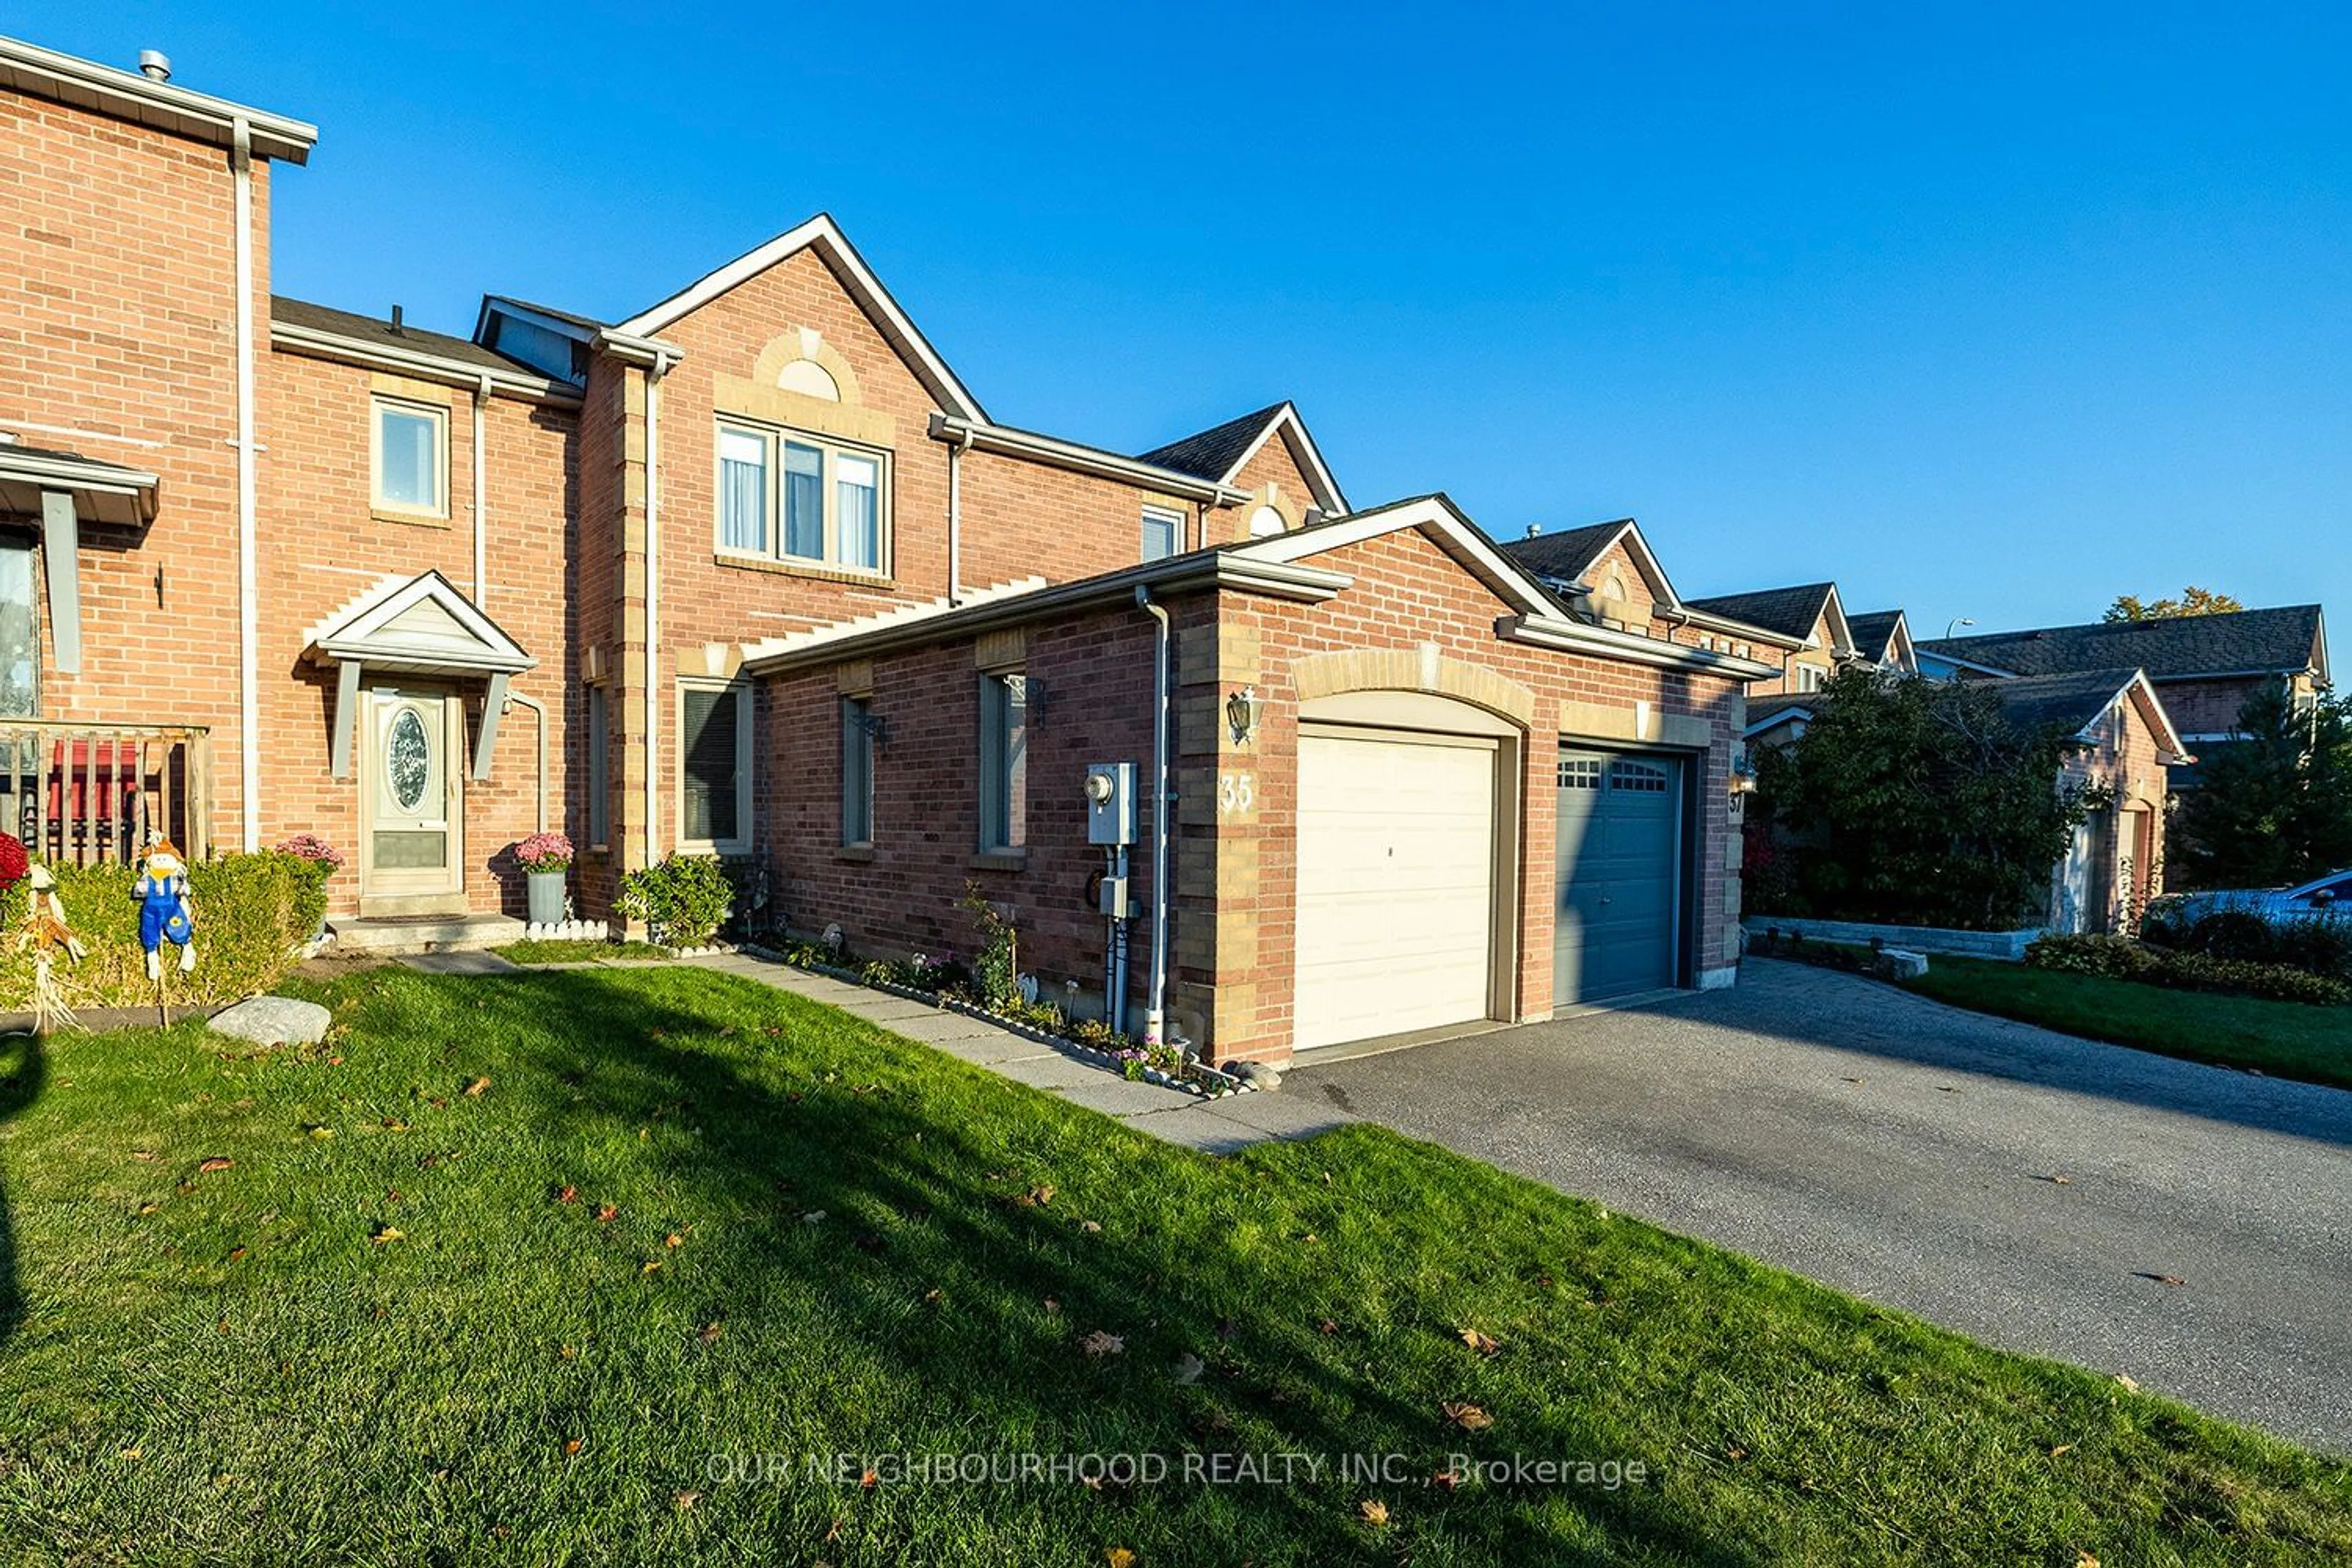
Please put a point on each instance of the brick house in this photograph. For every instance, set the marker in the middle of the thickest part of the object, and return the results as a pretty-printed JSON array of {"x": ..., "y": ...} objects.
[
  {"x": 2124, "y": 742},
  {"x": 752, "y": 572},
  {"x": 2205, "y": 667}
]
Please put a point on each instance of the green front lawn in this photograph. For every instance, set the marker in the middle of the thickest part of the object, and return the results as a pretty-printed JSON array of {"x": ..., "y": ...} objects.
[
  {"x": 582, "y": 1266},
  {"x": 2286, "y": 1039}
]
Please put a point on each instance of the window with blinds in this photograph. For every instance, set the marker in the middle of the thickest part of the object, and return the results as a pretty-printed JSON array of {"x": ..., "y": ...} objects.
[{"x": 712, "y": 773}]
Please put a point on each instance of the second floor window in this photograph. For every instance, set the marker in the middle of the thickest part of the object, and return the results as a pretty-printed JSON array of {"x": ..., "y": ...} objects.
[
  {"x": 410, "y": 449},
  {"x": 803, "y": 499},
  {"x": 1162, "y": 532}
]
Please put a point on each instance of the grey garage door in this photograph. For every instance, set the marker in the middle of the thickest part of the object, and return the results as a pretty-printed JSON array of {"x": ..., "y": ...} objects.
[{"x": 1620, "y": 875}]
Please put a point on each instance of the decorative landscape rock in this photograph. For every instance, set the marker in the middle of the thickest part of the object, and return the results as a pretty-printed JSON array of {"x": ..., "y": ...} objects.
[
  {"x": 1258, "y": 1075},
  {"x": 274, "y": 1021},
  {"x": 1903, "y": 964}
]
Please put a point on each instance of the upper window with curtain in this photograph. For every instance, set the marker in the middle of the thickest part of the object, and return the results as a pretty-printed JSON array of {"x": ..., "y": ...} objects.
[
  {"x": 803, "y": 499},
  {"x": 410, "y": 449}
]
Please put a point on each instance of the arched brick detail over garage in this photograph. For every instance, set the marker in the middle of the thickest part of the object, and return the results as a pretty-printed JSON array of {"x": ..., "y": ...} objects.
[{"x": 1413, "y": 669}]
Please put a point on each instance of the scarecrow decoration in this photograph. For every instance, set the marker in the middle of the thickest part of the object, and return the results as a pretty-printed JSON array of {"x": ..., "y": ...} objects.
[
  {"x": 166, "y": 913},
  {"x": 45, "y": 934}
]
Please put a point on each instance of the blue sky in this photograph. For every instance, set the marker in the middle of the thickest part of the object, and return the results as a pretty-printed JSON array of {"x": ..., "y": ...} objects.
[{"x": 1979, "y": 310}]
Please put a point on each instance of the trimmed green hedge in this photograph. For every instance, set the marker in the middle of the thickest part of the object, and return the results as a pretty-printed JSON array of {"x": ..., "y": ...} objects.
[
  {"x": 2121, "y": 958},
  {"x": 253, "y": 914}
]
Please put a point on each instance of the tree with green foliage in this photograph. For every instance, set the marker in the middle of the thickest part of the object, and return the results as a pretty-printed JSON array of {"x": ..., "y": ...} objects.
[
  {"x": 2193, "y": 601},
  {"x": 1919, "y": 803},
  {"x": 2275, "y": 807}
]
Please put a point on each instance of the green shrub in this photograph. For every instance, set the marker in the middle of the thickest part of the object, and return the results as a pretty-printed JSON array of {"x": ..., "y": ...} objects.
[
  {"x": 683, "y": 900},
  {"x": 2121, "y": 958},
  {"x": 2317, "y": 944},
  {"x": 253, "y": 914},
  {"x": 996, "y": 957}
]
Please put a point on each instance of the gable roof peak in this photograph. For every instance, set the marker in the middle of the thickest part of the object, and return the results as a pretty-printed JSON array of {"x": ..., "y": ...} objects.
[
  {"x": 823, "y": 235},
  {"x": 1220, "y": 452}
]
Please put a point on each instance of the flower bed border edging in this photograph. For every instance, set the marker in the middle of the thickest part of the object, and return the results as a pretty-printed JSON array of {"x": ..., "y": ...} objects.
[{"x": 1219, "y": 1085}]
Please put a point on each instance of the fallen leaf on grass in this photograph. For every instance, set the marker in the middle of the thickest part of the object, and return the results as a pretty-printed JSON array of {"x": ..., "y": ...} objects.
[
  {"x": 1090, "y": 1227},
  {"x": 320, "y": 1133},
  {"x": 606, "y": 1214},
  {"x": 2160, "y": 1279},
  {"x": 1037, "y": 1197},
  {"x": 1467, "y": 1416},
  {"x": 1052, "y": 1307},
  {"x": 1373, "y": 1511},
  {"x": 2062, "y": 1448},
  {"x": 673, "y": 1239},
  {"x": 1119, "y": 1557},
  {"x": 1328, "y": 1326},
  {"x": 567, "y": 1194},
  {"x": 2085, "y": 1559},
  {"x": 1102, "y": 1344},
  {"x": 1189, "y": 1368},
  {"x": 394, "y": 1124},
  {"x": 649, "y": 1266},
  {"x": 686, "y": 1501},
  {"x": 148, "y": 1207},
  {"x": 815, "y": 1216},
  {"x": 710, "y": 1332},
  {"x": 477, "y": 1087},
  {"x": 386, "y": 1233},
  {"x": 1479, "y": 1343},
  {"x": 234, "y": 1253},
  {"x": 133, "y": 1454},
  {"x": 2055, "y": 1180},
  {"x": 566, "y": 1352},
  {"x": 2128, "y": 1382},
  {"x": 146, "y": 1154},
  {"x": 570, "y": 1447}
]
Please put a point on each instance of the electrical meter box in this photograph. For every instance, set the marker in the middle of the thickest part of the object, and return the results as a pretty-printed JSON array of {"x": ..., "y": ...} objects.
[{"x": 1111, "y": 802}]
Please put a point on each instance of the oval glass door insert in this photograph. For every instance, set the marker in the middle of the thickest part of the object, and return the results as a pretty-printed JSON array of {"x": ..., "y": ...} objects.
[{"x": 407, "y": 759}]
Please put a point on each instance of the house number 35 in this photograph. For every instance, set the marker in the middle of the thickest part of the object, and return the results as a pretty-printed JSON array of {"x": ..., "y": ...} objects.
[{"x": 1235, "y": 792}]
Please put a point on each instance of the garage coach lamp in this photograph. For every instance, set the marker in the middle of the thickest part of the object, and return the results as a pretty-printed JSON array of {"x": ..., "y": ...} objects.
[
  {"x": 1242, "y": 711},
  {"x": 1743, "y": 775}
]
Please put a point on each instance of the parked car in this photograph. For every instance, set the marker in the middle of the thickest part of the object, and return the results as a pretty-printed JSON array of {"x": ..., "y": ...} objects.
[{"x": 2326, "y": 895}]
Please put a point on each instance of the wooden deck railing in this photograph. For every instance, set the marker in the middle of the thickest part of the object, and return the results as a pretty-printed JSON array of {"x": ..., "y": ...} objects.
[{"x": 91, "y": 794}]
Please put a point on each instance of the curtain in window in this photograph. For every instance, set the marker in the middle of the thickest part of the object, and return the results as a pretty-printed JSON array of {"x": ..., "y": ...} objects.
[
  {"x": 803, "y": 502},
  {"x": 709, "y": 765},
  {"x": 857, "y": 483},
  {"x": 407, "y": 442},
  {"x": 742, "y": 492}
]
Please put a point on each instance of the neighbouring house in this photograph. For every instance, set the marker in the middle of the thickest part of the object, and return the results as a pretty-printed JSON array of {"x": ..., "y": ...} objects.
[
  {"x": 1883, "y": 638},
  {"x": 751, "y": 572},
  {"x": 1809, "y": 625},
  {"x": 2126, "y": 743},
  {"x": 2203, "y": 666}
]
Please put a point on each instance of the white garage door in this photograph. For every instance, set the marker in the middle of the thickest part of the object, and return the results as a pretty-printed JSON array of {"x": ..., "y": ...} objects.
[{"x": 1396, "y": 892}]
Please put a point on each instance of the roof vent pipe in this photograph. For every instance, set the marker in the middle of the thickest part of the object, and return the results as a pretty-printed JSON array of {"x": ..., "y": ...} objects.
[
  {"x": 154, "y": 65},
  {"x": 1535, "y": 530},
  {"x": 397, "y": 330}
]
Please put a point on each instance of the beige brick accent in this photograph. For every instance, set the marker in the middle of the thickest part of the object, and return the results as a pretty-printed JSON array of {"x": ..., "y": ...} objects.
[
  {"x": 854, "y": 679},
  {"x": 1640, "y": 722},
  {"x": 1423, "y": 669}
]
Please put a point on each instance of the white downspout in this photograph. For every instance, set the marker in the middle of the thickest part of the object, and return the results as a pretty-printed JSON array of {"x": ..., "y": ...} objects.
[
  {"x": 248, "y": 573},
  {"x": 481, "y": 501},
  {"x": 539, "y": 816},
  {"x": 1156, "y": 1012},
  {"x": 955, "y": 517},
  {"x": 654, "y": 374}
]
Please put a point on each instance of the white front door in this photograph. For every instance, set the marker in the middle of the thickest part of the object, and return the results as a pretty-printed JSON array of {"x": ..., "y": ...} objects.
[{"x": 411, "y": 804}]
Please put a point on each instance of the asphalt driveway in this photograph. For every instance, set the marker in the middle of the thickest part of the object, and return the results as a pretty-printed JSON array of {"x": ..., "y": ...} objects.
[{"x": 1909, "y": 1152}]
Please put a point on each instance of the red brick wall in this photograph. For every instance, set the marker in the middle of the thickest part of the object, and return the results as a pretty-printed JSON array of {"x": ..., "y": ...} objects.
[
  {"x": 2209, "y": 707},
  {"x": 118, "y": 341},
  {"x": 322, "y": 546}
]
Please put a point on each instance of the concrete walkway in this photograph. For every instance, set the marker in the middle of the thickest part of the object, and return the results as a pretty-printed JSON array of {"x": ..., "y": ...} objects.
[{"x": 1215, "y": 1126}]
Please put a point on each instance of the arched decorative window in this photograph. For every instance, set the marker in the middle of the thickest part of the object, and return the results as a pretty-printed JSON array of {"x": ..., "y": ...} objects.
[{"x": 1266, "y": 521}]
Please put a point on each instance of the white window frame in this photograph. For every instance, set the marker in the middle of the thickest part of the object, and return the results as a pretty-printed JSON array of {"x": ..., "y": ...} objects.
[
  {"x": 774, "y": 437},
  {"x": 1173, "y": 522},
  {"x": 741, "y": 842},
  {"x": 438, "y": 418}
]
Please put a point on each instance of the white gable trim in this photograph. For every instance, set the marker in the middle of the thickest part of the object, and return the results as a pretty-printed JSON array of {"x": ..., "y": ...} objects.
[
  {"x": 363, "y": 632},
  {"x": 823, "y": 235},
  {"x": 1303, "y": 450},
  {"x": 1841, "y": 634},
  {"x": 1538, "y": 620},
  {"x": 2168, "y": 738}
]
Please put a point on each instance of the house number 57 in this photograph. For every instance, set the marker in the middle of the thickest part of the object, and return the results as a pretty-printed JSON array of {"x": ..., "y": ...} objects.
[{"x": 1235, "y": 792}]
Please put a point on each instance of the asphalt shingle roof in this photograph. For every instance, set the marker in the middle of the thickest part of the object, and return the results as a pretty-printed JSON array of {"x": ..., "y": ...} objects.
[
  {"x": 1790, "y": 612},
  {"x": 2273, "y": 639},
  {"x": 1211, "y": 453},
  {"x": 2069, "y": 701},
  {"x": 369, "y": 329},
  {"x": 1873, "y": 631},
  {"x": 1565, "y": 555}
]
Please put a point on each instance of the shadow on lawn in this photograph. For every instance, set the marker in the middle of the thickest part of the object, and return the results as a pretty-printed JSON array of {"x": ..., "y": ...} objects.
[
  {"x": 24, "y": 1073},
  {"x": 938, "y": 1266}
]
